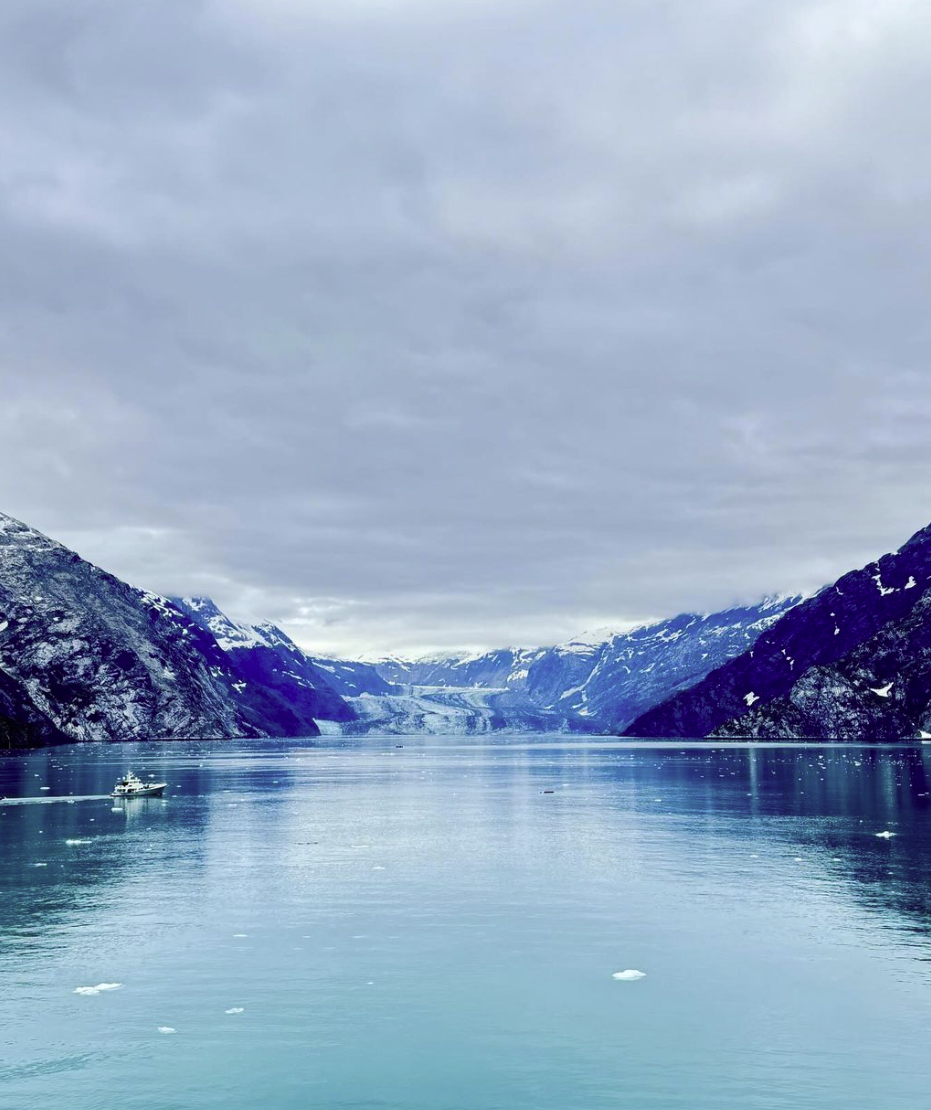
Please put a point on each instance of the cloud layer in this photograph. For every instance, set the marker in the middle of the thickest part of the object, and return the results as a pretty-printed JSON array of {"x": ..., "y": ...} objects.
[{"x": 410, "y": 324}]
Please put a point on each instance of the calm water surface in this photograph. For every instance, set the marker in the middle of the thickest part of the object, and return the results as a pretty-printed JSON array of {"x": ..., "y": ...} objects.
[{"x": 425, "y": 928}]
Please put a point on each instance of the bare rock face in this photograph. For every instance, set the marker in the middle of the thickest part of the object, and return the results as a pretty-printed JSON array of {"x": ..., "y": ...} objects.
[
  {"x": 21, "y": 725},
  {"x": 852, "y": 662},
  {"x": 84, "y": 656}
]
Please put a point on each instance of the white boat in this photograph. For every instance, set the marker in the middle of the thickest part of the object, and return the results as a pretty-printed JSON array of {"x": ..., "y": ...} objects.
[{"x": 131, "y": 786}]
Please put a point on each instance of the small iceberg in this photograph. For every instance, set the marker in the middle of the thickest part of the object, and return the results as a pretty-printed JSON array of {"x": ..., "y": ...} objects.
[
  {"x": 630, "y": 975},
  {"x": 167, "y": 1029},
  {"x": 235, "y": 1010},
  {"x": 100, "y": 987},
  {"x": 886, "y": 835}
]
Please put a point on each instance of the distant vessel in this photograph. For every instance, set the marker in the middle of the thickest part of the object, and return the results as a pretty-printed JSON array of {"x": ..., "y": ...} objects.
[{"x": 131, "y": 786}]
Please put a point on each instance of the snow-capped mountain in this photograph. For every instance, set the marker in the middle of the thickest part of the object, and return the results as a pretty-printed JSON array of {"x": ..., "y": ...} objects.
[
  {"x": 84, "y": 656},
  {"x": 491, "y": 670},
  {"x": 604, "y": 678},
  {"x": 637, "y": 669},
  {"x": 853, "y": 661},
  {"x": 350, "y": 678},
  {"x": 268, "y": 659}
]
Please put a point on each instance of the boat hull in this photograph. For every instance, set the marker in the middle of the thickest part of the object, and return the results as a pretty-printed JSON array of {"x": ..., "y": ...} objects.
[{"x": 153, "y": 791}]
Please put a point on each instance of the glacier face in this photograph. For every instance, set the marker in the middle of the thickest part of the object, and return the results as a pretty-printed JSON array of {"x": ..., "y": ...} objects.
[
  {"x": 452, "y": 711},
  {"x": 84, "y": 656},
  {"x": 601, "y": 680}
]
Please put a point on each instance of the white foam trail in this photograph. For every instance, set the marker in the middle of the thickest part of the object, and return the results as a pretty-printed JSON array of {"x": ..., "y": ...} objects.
[{"x": 51, "y": 800}]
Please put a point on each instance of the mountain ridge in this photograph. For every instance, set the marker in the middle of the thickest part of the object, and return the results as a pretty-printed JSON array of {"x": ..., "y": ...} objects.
[
  {"x": 86, "y": 657},
  {"x": 848, "y": 632},
  {"x": 607, "y": 681}
]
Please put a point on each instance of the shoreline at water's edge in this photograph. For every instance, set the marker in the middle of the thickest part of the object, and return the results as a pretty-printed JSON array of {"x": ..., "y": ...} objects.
[{"x": 565, "y": 740}]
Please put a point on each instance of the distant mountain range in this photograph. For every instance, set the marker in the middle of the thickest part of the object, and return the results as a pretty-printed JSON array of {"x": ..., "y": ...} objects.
[
  {"x": 84, "y": 656},
  {"x": 601, "y": 681}
]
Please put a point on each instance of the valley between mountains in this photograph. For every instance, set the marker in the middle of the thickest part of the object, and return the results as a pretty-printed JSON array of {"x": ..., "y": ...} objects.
[{"x": 87, "y": 657}]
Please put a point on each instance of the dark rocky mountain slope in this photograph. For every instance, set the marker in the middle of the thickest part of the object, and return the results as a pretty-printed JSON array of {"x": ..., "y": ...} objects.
[
  {"x": 853, "y": 661},
  {"x": 268, "y": 659},
  {"x": 84, "y": 656}
]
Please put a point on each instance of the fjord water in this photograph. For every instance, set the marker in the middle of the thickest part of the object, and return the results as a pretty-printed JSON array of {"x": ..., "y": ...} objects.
[{"x": 426, "y": 927}]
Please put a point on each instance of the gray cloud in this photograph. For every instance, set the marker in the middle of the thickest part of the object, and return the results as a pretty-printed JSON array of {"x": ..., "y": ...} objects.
[{"x": 408, "y": 324}]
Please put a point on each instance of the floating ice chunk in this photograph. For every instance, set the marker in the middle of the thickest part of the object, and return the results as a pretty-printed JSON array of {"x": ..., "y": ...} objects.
[
  {"x": 240, "y": 934},
  {"x": 167, "y": 1029},
  {"x": 885, "y": 835},
  {"x": 234, "y": 1010},
  {"x": 629, "y": 976},
  {"x": 77, "y": 840},
  {"x": 100, "y": 987},
  {"x": 45, "y": 788},
  {"x": 883, "y": 691}
]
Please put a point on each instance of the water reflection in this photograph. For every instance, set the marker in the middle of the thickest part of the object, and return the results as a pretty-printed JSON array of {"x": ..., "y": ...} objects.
[{"x": 347, "y": 923}]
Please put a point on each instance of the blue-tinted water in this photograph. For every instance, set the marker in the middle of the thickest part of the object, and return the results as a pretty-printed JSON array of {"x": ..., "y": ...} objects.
[{"x": 424, "y": 928}]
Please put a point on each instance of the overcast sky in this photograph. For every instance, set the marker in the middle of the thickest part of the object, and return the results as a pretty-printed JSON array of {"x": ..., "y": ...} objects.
[{"x": 415, "y": 323}]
